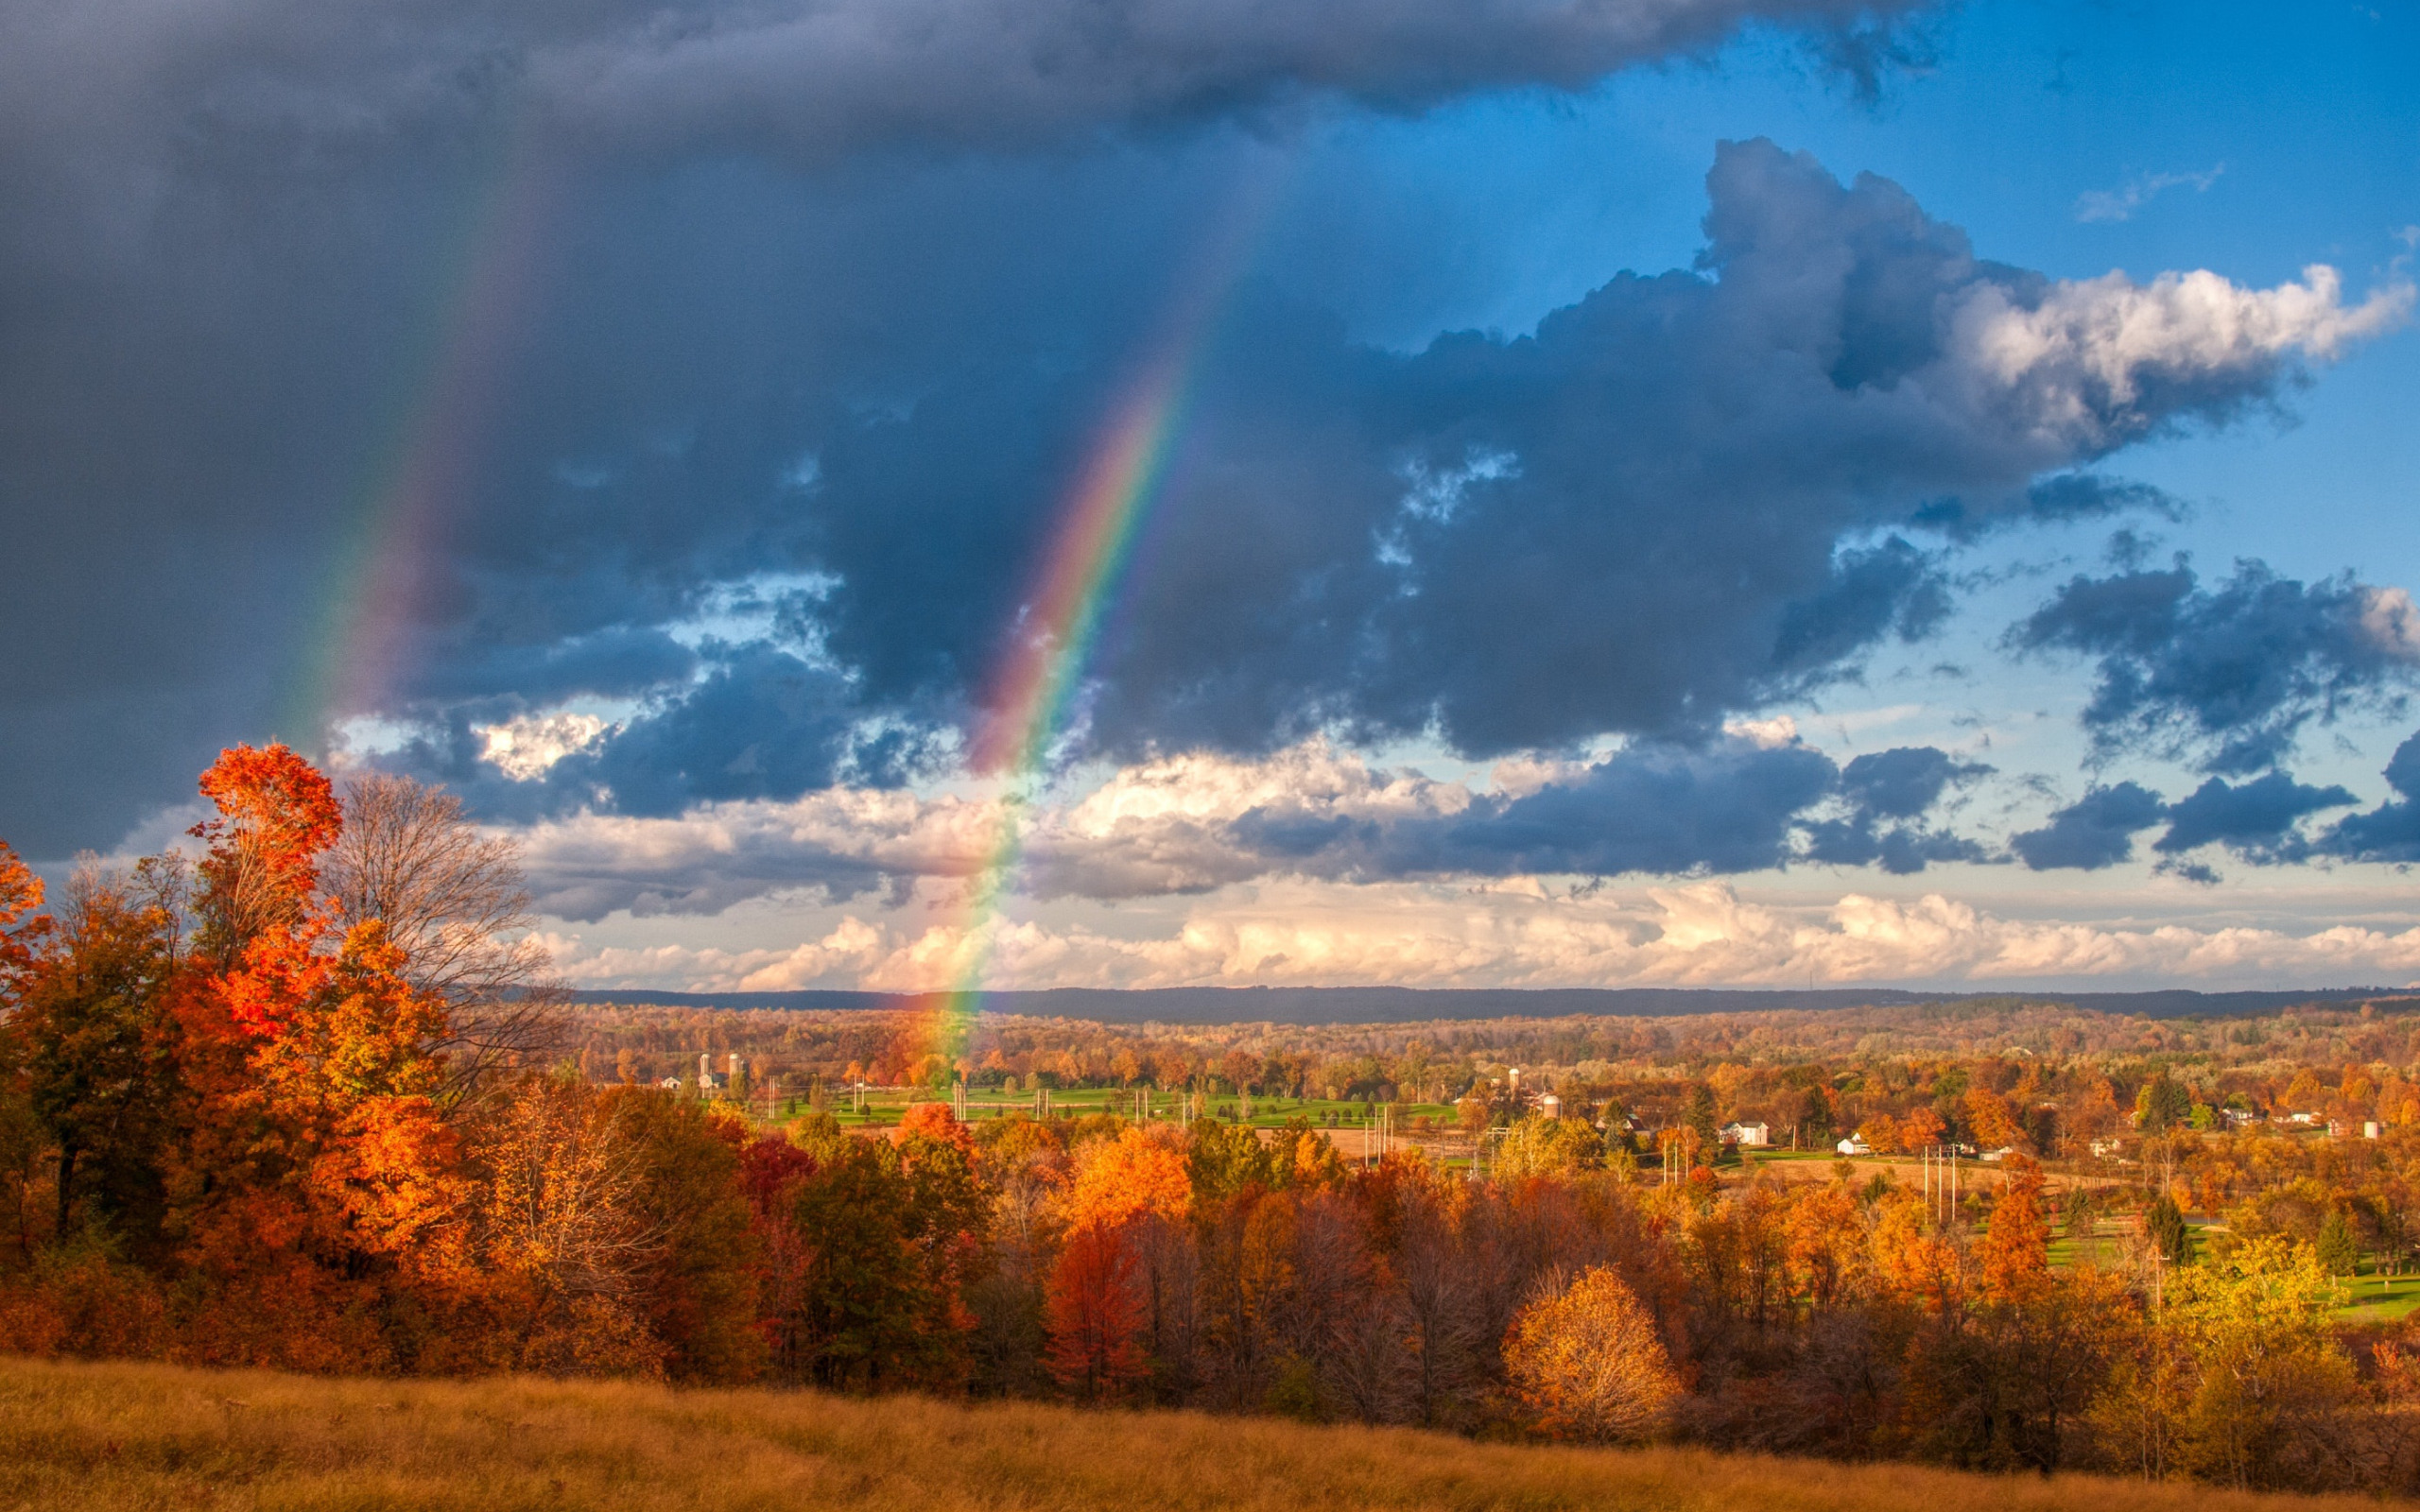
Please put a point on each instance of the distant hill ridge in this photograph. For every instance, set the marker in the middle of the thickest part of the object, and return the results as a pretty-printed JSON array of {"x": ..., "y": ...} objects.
[{"x": 1404, "y": 1004}]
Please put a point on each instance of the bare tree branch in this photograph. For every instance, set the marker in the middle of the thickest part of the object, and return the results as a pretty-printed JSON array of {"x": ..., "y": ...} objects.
[{"x": 453, "y": 899}]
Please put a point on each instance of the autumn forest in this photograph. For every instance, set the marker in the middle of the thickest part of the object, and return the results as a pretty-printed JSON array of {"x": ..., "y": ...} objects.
[{"x": 308, "y": 1099}]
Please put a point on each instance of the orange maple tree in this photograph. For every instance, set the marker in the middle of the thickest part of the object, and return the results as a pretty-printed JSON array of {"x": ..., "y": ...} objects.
[
  {"x": 21, "y": 893},
  {"x": 317, "y": 1177},
  {"x": 2016, "y": 1248},
  {"x": 1991, "y": 1120},
  {"x": 1095, "y": 1314}
]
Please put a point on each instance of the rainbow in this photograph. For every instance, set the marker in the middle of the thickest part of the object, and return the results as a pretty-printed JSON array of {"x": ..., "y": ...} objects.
[
  {"x": 425, "y": 460},
  {"x": 1041, "y": 670}
]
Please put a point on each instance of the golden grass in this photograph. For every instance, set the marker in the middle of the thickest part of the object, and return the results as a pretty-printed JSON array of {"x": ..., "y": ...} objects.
[{"x": 125, "y": 1436}]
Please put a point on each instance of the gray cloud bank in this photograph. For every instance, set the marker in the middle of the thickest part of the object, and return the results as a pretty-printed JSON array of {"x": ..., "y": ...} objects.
[
  {"x": 2228, "y": 677},
  {"x": 822, "y": 77},
  {"x": 1734, "y": 804},
  {"x": 240, "y": 240},
  {"x": 1686, "y": 496},
  {"x": 2261, "y": 821}
]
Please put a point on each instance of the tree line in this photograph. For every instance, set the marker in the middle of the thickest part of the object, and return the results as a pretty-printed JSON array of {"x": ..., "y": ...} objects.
[{"x": 301, "y": 1103}]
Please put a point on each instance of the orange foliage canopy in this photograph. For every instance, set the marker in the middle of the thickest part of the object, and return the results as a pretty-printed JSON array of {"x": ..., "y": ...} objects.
[
  {"x": 277, "y": 814},
  {"x": 1920, "y": 1128},
  {"x": 1913, "y": 1260},
  {"x": 1094, "y": 1308},
  {"x": 933, "y": 1121},
  {"x": 317, "y": 1170},
  {"x": 1825, "y": 1241},
  {"x": 1094, "y": 1313},
  {"x": 1125, "y": 1179},
  {"x": 20, "y": 893},
  {"x": 1993, "y": 1122},
  {"x": 1590, "y": 1362},
  {"x": 2016, "y": 1249}
]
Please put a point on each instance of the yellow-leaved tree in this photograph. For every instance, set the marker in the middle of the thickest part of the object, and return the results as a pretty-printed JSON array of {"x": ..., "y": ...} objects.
[
  {"x": 1590, "y": 1364},
  {"x": 2271, "y": 1387}
]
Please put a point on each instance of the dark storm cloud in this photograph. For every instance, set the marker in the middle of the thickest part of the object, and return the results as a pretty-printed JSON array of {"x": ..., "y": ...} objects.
[
  {"x": 762, "y": 724},
  {"x": 2064, "y": 498},
  {"x": 1900, "y": 784},
  {"x": 1684, "y": 496},
  {"x": 619, "y": 661},
  {"x": 2390, "y": 831},
  {"x": 1732, "y": 805},
  {"x": 2259, "y": 821},
  {"x": 830, "y": 77},
  {"x": 238, "y": 237},
  {"x": 756, "y": 721},
  {"x": 1904, "y": 782},
  {"x": 2096, "y": 831},
  {"x": 2227, "y": 676},
  {"x": 2256, "y": 819},
  {"x": 1726, "y": 809},
  {"x": 237, "y": 288},
  {"x": 1891, "y": 587}
]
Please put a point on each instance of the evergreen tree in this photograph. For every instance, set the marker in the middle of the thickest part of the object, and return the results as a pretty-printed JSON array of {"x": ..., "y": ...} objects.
[
  {"x": 2162, "y": 1105},
  {"x": 1700, "y": 1119},
  {"x": 2339, "y": 1250},
  {"x": 2164, "y": 1223},
  {"x": 2076, "y": 1213}
]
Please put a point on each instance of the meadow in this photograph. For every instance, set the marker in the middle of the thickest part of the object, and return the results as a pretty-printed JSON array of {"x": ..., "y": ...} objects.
[{"x": 121, "y": 1436}]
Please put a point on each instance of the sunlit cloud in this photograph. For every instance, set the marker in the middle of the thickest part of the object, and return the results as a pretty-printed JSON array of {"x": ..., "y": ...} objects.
[{"x": 1523, "y": 935}]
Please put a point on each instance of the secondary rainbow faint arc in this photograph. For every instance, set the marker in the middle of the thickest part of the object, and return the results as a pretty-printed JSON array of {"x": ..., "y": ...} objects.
[
  {"x": 428, "y": 456},
  {"x": 1043, "y": 667}
]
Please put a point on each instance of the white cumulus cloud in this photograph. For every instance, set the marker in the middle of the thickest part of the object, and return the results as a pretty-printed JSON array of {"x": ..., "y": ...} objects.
[
  {"x": 523, "y": 748},
  {"x": 1699, "y": 934},
  {"x": 2082, "y": 360}
]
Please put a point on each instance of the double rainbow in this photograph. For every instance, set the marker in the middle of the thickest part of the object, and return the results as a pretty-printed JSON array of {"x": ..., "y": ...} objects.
[{"x": 429, "y": 456}]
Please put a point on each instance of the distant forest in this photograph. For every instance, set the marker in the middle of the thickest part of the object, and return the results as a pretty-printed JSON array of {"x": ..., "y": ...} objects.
[{"x": 1402, "y": 1005}]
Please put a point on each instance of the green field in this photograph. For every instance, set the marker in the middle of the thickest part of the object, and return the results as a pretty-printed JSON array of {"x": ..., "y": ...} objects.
[
  {"x": 884, "y": 1107},
  {"x": 2100, "y": 1249},
  {"x": 2380, "y": 1298}
]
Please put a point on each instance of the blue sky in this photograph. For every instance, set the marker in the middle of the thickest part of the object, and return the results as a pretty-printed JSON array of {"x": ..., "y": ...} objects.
[
  {"x": 649, "y": 434},
  {"x": 1490, "y": 212}
]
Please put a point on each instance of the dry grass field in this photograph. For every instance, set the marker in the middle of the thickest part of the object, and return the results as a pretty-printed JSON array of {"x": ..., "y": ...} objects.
[{"x": 125, "y": 1436}]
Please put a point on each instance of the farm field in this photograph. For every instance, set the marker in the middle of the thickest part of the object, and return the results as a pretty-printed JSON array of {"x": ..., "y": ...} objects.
[
  {"x": 884, "y": 1107},
  {"x": 110, "y": 1436},
  {"x": 2380, "y": 1298}
]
